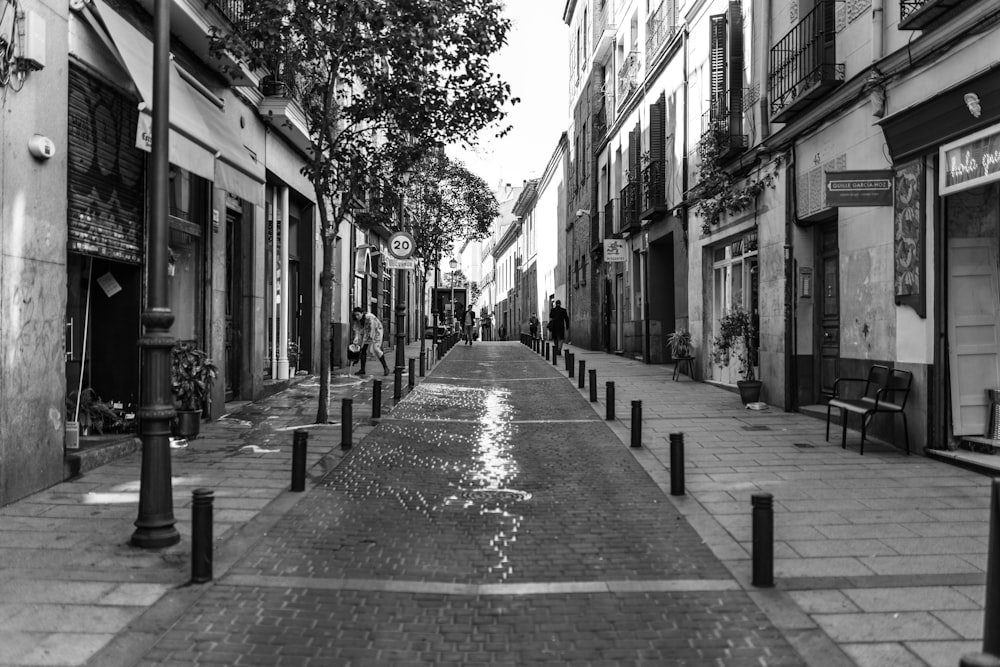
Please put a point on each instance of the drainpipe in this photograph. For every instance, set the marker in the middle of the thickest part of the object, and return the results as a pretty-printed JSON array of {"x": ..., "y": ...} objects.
[
  {"x": 878, "y": 29},
  {"x": 791, "y": 369}
]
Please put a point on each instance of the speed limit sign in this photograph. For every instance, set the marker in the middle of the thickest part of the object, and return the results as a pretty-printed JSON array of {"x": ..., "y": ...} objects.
[{"x": 401, "y": 245}]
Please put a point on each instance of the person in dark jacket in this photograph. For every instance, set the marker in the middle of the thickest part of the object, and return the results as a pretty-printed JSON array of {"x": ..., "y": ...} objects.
[
  {"x": 558, "y": 326},
  {"x": 469, "y": 325}
]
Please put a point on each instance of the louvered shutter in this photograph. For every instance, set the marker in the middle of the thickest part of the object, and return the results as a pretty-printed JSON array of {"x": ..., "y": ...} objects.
[
  {"x": 735, "y": 68},
  {"x": 104, "y": 172},
  {"x": 657, "y": 122},
  {"x": 717, "y": 67},
  {"x": 634, "y": 138}
]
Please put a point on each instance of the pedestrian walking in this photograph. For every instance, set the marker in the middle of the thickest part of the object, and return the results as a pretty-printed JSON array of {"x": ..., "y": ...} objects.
[
  {"x": 469, "y": 325},
  {"x": 558, "y": 326},
  {"x": 368, "y": 333},
  {"x": 533, "y": 325}
]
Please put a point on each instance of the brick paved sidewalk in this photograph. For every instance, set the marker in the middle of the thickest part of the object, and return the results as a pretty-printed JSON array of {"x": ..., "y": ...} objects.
[
  {"x": 71, "y": 586},
  {"x": 883, "y": 553}
]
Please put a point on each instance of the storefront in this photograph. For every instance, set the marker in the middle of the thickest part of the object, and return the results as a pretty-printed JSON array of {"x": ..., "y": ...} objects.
[{"x": 946, "y": 154}]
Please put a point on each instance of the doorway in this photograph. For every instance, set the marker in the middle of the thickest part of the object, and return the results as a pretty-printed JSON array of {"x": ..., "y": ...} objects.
[
  {"x": 828, "y": 313},
  {"x": 234, "y": 304}
]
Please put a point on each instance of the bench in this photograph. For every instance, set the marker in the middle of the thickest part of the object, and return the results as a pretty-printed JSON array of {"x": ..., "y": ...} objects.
[{"x": 885, "y": 392}]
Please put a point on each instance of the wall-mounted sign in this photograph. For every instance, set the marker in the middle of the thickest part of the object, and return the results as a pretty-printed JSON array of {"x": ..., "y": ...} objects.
[
  {"x": 971, "y": 161},
  {"x": 614, "y": 250},
  {"x": 859, "y": 188}
]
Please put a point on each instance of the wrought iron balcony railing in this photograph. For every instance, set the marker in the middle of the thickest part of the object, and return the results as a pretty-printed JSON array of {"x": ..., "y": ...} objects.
[
  {"x": 923, "y": 14},
  {"x": 231, "y": 9},
  {"x": 652, "y": 190},
  {"x": 725, "y": 129},
  {"x": 628, "y": 76},
  {"x": 660, "y": 29},
  {"x": 802, "y": 68},
  {"x": 629, "y": 207}
]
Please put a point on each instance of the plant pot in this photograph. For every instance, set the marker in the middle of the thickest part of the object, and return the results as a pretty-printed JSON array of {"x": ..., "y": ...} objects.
[
  {"x": 186, "y": 424},
  {"x": 749, "y": 390}
]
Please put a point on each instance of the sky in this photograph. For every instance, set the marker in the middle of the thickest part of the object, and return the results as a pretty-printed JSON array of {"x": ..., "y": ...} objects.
[{"x": 534, "y": 63}]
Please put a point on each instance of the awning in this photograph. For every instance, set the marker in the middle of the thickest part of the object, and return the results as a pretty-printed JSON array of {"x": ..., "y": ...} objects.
[
  {"x": 202, "y": 139},
  {"x": 191, "y": 145},
  {"x": 237, "y": 170}
]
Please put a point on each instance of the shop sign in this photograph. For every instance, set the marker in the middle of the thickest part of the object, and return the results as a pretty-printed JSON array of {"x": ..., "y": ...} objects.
[
  {"x": 859, "y": 188},
  {"x": 614, "y": 250},
  {"x": 971, "y": 161}
]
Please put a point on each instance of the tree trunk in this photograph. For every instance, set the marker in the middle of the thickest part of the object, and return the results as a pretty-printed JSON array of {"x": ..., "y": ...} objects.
[{"x": 326, "y": 321}]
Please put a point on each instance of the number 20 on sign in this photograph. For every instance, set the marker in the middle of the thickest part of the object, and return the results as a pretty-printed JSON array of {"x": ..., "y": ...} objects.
[{"x": 401, "y": 245}]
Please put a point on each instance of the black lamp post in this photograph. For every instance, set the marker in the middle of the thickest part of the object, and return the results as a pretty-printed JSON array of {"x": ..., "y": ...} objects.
[
  {"x": 453, "y": 263},
  {"x": 154, "y": 527}
]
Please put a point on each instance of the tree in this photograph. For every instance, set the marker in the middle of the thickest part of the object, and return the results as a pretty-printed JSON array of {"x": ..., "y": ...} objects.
[
  {"x": 378, "y": 82},
  {"x": 447, "y": 204}
]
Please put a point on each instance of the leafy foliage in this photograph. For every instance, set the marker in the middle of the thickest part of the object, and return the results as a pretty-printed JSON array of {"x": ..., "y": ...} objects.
[
  {"x": 680, "y": 343},
  {"x": 719, "y": 192},
  {"x": 192, "y": 375},
  {"x": 737, "y": 333},
  {"x": 380, "y": 82}
]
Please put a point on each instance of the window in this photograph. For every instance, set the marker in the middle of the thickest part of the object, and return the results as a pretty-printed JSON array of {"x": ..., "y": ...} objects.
[
  {"x": 735, "y": 276},
  {"x": 576, "y": 273},
  {"x": 188, "y": 207}
]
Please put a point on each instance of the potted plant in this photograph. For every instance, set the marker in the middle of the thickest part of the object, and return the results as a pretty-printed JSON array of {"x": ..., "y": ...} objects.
[
  {"x": 680, "y": 345},
  {"x": 91, "y": 413},
  {"x": 192, "y": 375},
  {"x": 737, "y": 335}
]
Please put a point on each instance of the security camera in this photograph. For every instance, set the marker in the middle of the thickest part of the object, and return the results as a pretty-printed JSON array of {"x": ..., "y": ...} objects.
[{"x": 580, "y": 212}]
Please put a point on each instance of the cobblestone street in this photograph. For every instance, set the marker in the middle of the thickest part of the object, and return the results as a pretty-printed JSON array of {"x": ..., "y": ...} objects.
[{"x": 492, "y": 518}]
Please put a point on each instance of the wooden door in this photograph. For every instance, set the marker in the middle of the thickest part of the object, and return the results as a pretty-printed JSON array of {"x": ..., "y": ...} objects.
[
  {"x": 973, "y": 327},
  {"x": 828, "y": 311},
  {"x": 234, "y": 302}
]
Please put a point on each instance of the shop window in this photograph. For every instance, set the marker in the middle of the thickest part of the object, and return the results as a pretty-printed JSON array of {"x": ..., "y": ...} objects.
[
  {"x": 735, "y": 276},
  {"x": 188, "y": 207}
]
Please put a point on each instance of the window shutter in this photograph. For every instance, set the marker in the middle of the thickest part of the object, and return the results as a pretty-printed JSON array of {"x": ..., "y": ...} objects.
[
  {"x": 717, "y": 67},
  {"x": 657, "y": 123},
  {"x": 633, "y": 153},
  {"x": 735, "y": 68}
]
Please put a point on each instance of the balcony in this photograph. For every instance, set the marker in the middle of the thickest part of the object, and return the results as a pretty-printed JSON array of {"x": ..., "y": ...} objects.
[
  {"x": 801, "y": 68},
  {"x": 660, "y": 30},
  {"x": 653, "y": 191},
  {"x": 724, "y": 129},
  {"x": 629, "y": 209},
  {"x": 923, "y": 14},
  {"x": 628, "y": 76}
]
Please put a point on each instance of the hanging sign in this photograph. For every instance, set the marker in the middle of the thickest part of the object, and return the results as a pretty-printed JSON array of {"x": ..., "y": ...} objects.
[
  {"x": 614, "y": 250},
  {"x": 859, "y": 188},
  {"x": 971, "y": 161}
]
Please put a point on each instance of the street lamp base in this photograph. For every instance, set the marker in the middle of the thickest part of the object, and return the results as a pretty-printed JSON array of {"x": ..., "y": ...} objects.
[{"x": 155, "y": 537}]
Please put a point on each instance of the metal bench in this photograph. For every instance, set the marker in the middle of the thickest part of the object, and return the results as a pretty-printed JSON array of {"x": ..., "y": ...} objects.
[{"x": 885, "y": 391}]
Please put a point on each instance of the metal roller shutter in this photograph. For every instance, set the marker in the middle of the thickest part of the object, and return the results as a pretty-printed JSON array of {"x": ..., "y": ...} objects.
[{"x": 106, "y": 172}]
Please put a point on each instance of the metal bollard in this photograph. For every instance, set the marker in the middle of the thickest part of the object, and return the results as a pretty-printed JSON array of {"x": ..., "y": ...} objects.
[
  {"x": 636, "y": 424},
  {"x": 593, "y": 385},
  {"x": 991, "y": 616},
  {"x": 763, "y": 539},
  {"x": 581, "y": 374},
  {"x": 376, "y": 399},
  {"x": 570, "y": 363},
  {"x": 677, "y": 464},
  {"x": 555, "y": 357},
  {"x": 410, "y": 377},
  {"x": 423, "y": 363},
  {"x": 609, "y": 393},
  {"x": 546, "y": 351},
  {"x": 201, "y": 535},
  {"x": 346, "y": 423},
  {"x": 397, "y": 383},
  {"x": 300, "y": 438},
  {"x": 979, "y": 660}
]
